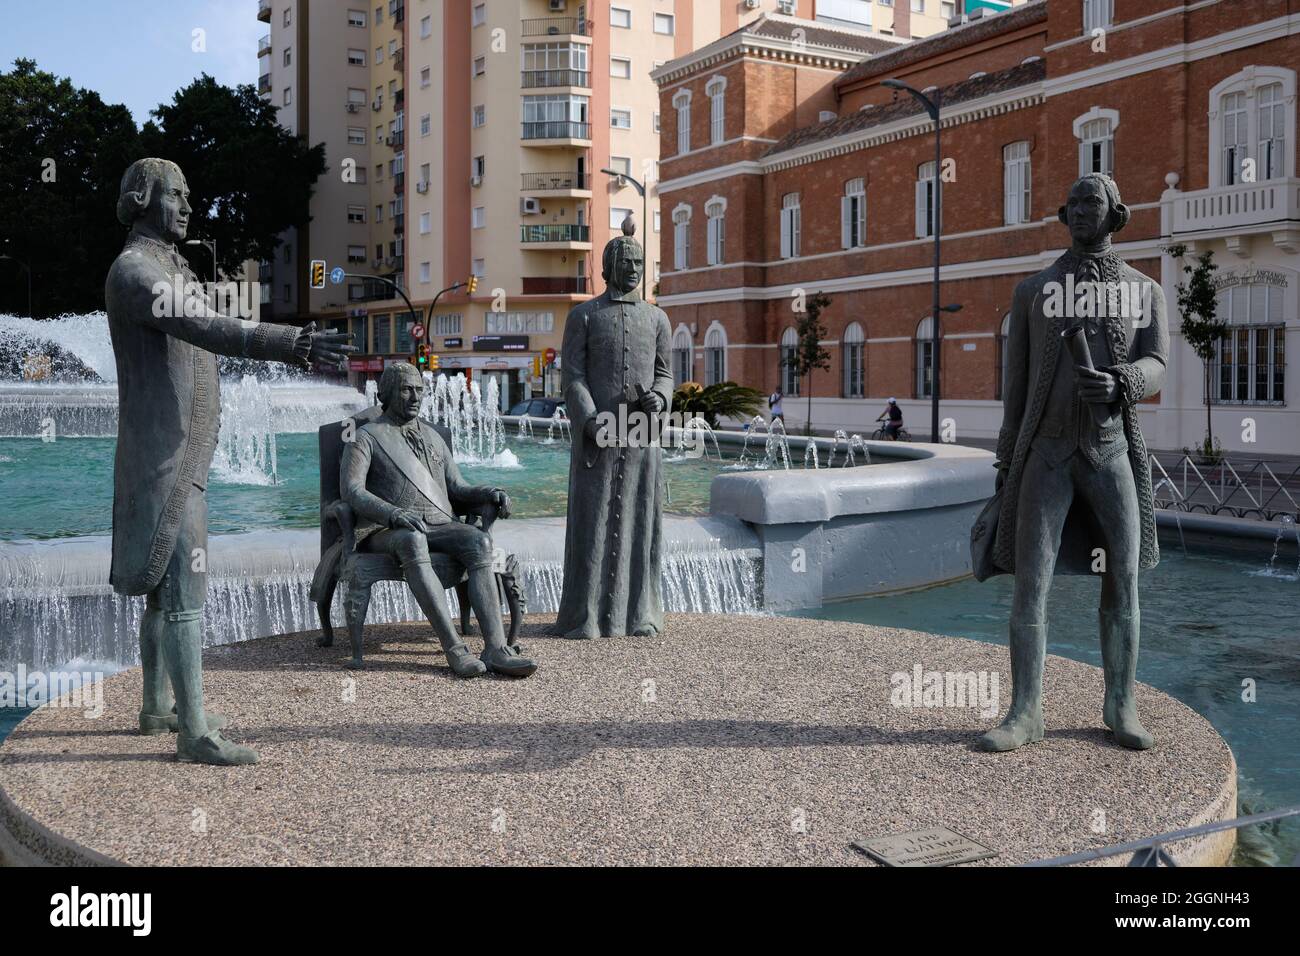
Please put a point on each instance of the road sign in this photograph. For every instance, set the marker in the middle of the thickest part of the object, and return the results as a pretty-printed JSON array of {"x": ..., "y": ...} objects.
[
  {"x": 550, "y": 356},
  {"x": 318, "y": 273},
  {"x": 417, "y": 331},
  {"x": 336, "y": 275}
]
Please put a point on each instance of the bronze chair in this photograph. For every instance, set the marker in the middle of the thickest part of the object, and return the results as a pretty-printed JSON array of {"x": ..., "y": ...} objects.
[{"x": 359, "y": 571}]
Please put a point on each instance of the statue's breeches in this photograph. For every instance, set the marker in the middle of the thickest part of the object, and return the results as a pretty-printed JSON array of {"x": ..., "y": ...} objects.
[
  {"x": 1047, "y": 493},
  {"x": 468, "y": 546},
  {"x": 184, "y": 585}
]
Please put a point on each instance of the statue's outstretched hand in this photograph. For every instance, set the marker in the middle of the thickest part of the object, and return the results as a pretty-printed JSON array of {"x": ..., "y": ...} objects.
[{"x": 327, "y": 348}]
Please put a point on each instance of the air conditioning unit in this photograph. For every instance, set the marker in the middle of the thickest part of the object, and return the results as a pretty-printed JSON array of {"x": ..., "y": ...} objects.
[
  {"x": 751, "y": 4},
  {"x": 557, "y": 6},
  {"x": 476, "y": 180},
  {"x": 353, "y": 107},
  {"x": 529, "y": 206},
  {"x": 787, "y": 7},
  {"x": 422, "y": 187}
]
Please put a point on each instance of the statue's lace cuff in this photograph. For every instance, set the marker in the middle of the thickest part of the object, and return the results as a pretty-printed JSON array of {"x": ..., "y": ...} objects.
[
  {"x": 1132, "y": 383},
  {"x": 280, "y": 343}
]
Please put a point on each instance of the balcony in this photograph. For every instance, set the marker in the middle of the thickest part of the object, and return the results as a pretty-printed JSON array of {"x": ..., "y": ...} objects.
[
  {"x": 399, "y": 13},
  {"x": 556, "y": 26},
  {"x": 556, "y": 236},
  {"x": 1270, "y": 208},
  {"x": 398, "y": 139},
  {"x": 537, "y": 79},
  {"x": 557, "y": 133},
  {"x": 264, "y": 83},
  {"x": 264, "y": 46},
  {"x": 399, "y": 58},
  {"x": 264, "y": 10},
  {"x": 568, "y": 183},
  {"x": 399, "y": 223},
  {"x": 399, "y": 182},
  {"x": 399, "y": 99},
  {"x": 555, "y": 285}
]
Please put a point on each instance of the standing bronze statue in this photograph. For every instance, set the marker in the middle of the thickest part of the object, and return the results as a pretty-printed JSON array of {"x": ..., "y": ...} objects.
[
  {"x": 169, "y": 412},
  {"x": 616, "y": 380},
  {"x": 1088, "y": 341}
]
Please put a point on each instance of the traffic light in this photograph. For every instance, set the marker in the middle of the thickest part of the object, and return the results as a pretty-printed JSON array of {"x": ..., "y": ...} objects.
[
  {"x": 471, "y": 285},
  {"x": 537, "y": 366},
  {"x": 318, "y": 273},
  {"x": 433, "y": 363},
  {"x": 422, "y": 357}
]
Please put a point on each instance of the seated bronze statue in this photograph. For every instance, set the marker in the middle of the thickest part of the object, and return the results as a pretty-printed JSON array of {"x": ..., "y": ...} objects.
[{"x": 399, "y": 477}]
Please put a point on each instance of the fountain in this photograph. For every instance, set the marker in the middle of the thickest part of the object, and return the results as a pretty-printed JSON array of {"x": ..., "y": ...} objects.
[
  {"x": 776, "y": 442},
  {"x": 810, "y": 451},
  {"x": 246, "y": 452},
  {"x": 559, "y": 421},
  {"x": 1286, "y": 522},
  {"x": 697, "y": 429},
  {"x": 856, "y": 442}
]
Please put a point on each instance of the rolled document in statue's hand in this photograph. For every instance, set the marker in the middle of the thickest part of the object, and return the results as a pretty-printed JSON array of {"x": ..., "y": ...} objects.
[{"x": 1078, "y": 343}]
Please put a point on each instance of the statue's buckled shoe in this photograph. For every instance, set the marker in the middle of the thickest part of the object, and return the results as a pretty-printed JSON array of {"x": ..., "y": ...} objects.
[
  {"x": 213, "y": 749},
  {"x": 508, "y": 661},
  {"x": 463, "y": 662},
  {"x": 151, "y": 725}
]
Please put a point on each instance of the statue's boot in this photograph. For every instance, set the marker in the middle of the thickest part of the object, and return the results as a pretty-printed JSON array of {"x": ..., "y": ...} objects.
[
  {"x": 158, "y": 709},
  {"x": 1119, "y": 653},
  {"x": 1024, "y": 721},
  {"x": 196, "y": 742},
  {"x": 497, "y": 656},
  {"x": 427, "y": 591}
]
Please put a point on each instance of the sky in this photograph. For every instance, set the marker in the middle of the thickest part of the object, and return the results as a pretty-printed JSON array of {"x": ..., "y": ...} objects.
[{"x": 135, "y": 52}]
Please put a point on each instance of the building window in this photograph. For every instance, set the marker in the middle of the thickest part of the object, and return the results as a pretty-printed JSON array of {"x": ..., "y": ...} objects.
[
  {"x": 791, "y": 226},
  {"x": 1097, "y": 15},
  {"x": 480, "y": 14},
  {"x": 356, "y": 97},
  {"x": 288, "y": 96},
  {"x": 924, "y": 380},
  {"x": 517, "y": 322},
  {"x": 621, "y": 165},
  {"x": 654, "y": 122},
  {"x": 616, "y": 217},
  {"x": 1249, "y": 363},
  {"x": 715, "y": 245},
  {"x": 852, "y": 13},
  {"x": 853, "y": 344},
  {"x": 556, "y": 115},
  {"x": 356, "y": 136},
  {"x": 788, "y": 352},
  {"x": 424, "y": 77},
  {"x": 682, "y": 238},
  {"x": 682, "y": 104},
  {"x": 682, "y": 359},
  {"x": 356, "y": 253},
  {"x": 287, "y": 19},
  {"x": 1015, "y": 183},
  {"x": 918, "y": 6},
  {"x": 1095, "y": 131},
  {"x": 477, "y": 167},
  {"x": 286, "y": 58},
  {"x": 621, "y": 18},
  {"x": 620, "y": 67},
  {"x": 656, "y": 219},
  {"x": 480, "y": 116},
  {"x": 620, "y": 118},
  {"x": 480, "y": 65},
  {"x": 479, "y": 219},
  {"x": 356, "y": 57},
  {"x": 1003, "y": 334},
  {"x": 664, "y": 23},
  {"x": 356, "y": 18},
  {"x": 426, "y": 27},
  {"x": 426, "y": 223},
  {"x": 447, "y": 324},
  {"x": 426, "y": 272},
  {"x": 1252, "y": 118},
  {"x": 853, "y": 214},
  {"x": 715, "y": 356},
  {"x": 716, "y": 89},
  {"x": 926, "y": 188}
]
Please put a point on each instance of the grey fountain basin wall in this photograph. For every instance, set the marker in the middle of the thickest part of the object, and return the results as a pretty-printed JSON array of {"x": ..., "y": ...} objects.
[{"x": 834, "y": 533}]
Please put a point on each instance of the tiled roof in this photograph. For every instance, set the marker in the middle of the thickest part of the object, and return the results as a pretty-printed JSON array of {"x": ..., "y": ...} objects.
[
  {"x": 906, "y": 105},
  {"x": 815, "y": 35},
  {"x": 1035, "y": 11}
]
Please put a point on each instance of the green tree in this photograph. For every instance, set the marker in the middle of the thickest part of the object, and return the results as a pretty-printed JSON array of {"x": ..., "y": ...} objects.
[
  {"x": 1198, "y": 303},
  {"x": 718, "y": 401},
  {"x": 249, "y": 178},
  {"x": 809, "y": 353},
  {"x": 62, "y": 154}
]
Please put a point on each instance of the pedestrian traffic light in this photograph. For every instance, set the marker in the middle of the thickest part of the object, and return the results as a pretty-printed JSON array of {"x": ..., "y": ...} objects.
[
  {"x": 318, "y": 273},
  {"x": 471, "y": 285},
  {"x": 422, "y": 356}
]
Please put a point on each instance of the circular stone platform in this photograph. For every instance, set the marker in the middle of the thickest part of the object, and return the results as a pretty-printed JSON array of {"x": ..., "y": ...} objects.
[{"x": 761, "y": 740}]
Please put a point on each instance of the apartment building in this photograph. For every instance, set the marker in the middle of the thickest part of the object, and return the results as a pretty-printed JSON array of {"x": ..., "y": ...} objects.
[
  {"x": 1189, "y": 104},
  {"x": 501, "y": 139}
]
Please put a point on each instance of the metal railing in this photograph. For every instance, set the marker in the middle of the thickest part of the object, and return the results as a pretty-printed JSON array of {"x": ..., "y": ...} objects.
[
  {"x": 554, "y": 285},
  {"x": 537, "y": 182},
  {"x": 532, "y": 79},
  {"x": 556, "y": 26},
  {"x": 264, "y": 10},
  {"x": 264, "y": 45},
  {"x": 1150, "y": 851},
  {"x": 557, "y": 129},
  {"x": 1242, "y": 490},
  {"x": 264, "y": 83},
  {"x": 555, "y": 232}
]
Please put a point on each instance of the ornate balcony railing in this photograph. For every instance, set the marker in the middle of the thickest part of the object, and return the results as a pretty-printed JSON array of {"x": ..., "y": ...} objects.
[
  {"x": 1246, "y": 204},
  {"x": 555, "y": 232},
  {"x": 537, "y": 182}
]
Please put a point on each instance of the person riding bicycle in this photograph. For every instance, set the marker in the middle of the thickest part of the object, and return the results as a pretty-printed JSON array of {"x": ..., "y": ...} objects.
[{"x": 895, "y": 415}]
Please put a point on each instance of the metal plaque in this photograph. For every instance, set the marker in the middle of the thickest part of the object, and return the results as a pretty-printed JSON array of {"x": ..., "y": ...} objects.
[{"x": 937, "y": 846}]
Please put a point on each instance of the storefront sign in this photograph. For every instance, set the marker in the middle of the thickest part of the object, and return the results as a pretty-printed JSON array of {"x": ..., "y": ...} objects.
[
  {"x": 500, "y": 343},
  {"x": 1251, "y": 276},
  {"x": 453, "y": 343}
]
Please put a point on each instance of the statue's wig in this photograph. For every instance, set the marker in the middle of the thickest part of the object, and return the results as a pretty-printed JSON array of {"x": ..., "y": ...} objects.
[
  {"x": 137, "y": 187},
  {"x": 610, "y": 255},
  {"x": 1119, "y": 213},
  {"x": 391, "y": 380}
]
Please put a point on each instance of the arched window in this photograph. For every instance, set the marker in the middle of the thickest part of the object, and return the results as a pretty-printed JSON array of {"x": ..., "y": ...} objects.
[
  {"x": 1249, "y": 361},
  {"x": 1252, "y": 119},
  {"x": 789, "y": 374},
  {"x": 715, "y": 355},
  {"x": 854, "y": 344},
  {"x": 682, "y": 237},
  {"x": 1015, "y": 183},
  {"x": 924, "y": 380},
  {"x": 682, "y": 103},
  {"x": 716, "y": 88},
  {"x": 853, "y": 214},
  {"x": 682, "y": 355},
  {"x": 1095, "y": 131},
  {"x": 1002, "y": 355},
  {"x": 716, "y": 210}
]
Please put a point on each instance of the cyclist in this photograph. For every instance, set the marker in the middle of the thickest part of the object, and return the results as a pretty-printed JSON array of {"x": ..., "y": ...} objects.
[{"x": 895, "y": 416}]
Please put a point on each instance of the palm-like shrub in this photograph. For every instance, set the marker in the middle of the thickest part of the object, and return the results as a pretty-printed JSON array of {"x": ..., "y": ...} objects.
[{"x": 723, "y": 400}]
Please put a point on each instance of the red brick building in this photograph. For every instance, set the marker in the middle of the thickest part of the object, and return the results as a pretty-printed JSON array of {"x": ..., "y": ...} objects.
[{"x": 787, "y": 171}]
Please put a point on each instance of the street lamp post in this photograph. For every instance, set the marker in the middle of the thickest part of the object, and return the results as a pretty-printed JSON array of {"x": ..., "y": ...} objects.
[
  {"x": 932, "y": 107},
  {"x": 645, "y": 225},
  {"x": 28, "y": 267},
  {"x": 211, "y": 246}
]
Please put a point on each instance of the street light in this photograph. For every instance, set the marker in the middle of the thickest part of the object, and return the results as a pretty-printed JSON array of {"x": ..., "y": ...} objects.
[
  {"x": 640, "y": 187},
  {"x": 28, "y": 267},
  {"x": 932, "y": 107},
  {"x": 211, "y": 246}
]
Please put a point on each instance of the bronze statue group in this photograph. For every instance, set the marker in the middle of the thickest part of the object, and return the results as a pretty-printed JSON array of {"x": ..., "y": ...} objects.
[{"x": 1072, "y": 475}]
